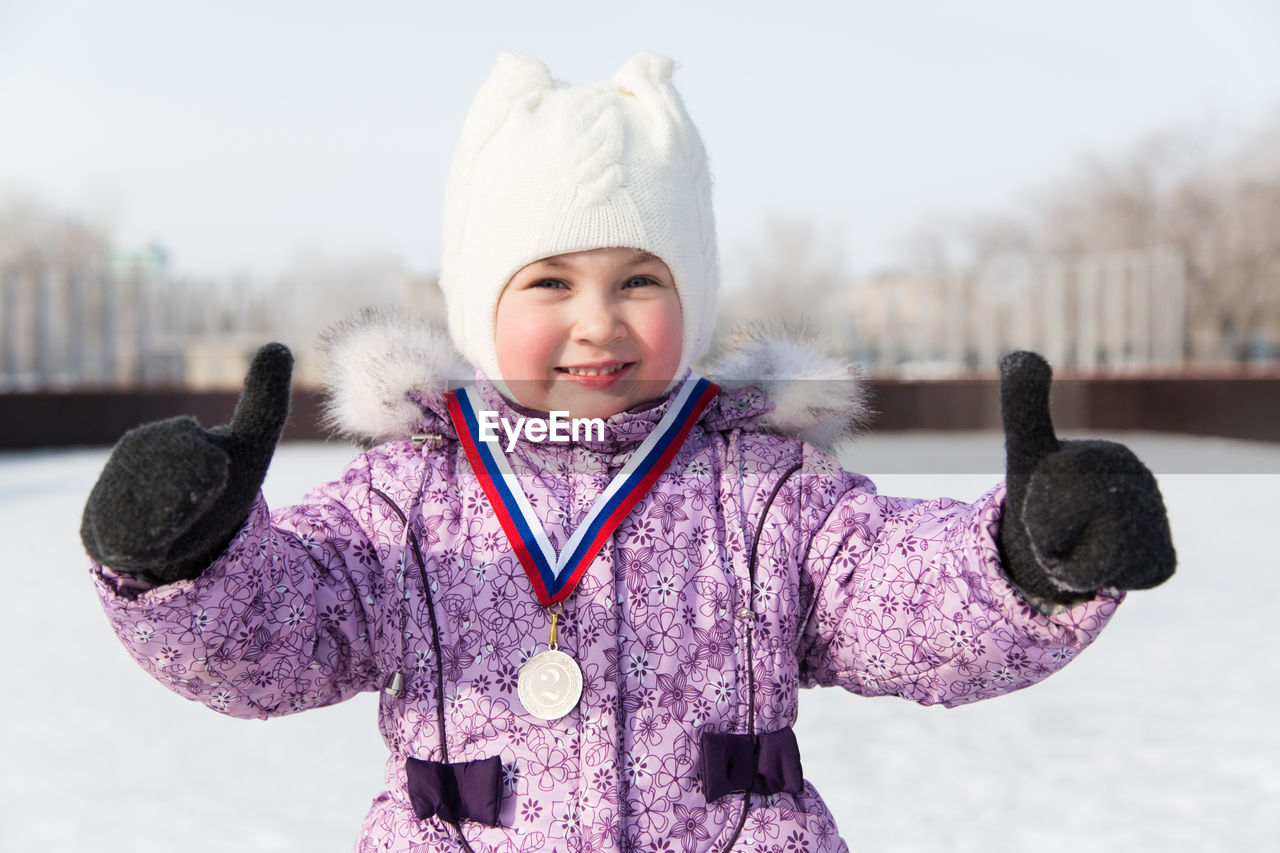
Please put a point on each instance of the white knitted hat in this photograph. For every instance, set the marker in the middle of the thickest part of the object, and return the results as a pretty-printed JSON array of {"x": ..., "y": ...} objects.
[{"x": 543, "y": 168}]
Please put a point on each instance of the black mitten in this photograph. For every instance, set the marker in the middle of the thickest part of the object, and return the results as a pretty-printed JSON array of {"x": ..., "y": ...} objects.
[
  {"x": 1079, "y": 516},
  {"x": 173, "y": 493}
]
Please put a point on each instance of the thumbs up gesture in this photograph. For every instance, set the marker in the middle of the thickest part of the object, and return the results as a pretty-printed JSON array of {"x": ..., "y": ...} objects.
[
  {"x": 172, "y": 494},
  {"x": 1079, "y": 516}
]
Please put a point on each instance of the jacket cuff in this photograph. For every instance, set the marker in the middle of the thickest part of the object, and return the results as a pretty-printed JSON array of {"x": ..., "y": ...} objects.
[
  {"x": 115, "y": 586},
  {"x": 1054, "y": 612}
]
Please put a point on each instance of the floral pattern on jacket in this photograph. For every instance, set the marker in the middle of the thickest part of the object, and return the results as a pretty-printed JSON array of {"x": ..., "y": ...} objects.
[{"x": 314, "y": 603}]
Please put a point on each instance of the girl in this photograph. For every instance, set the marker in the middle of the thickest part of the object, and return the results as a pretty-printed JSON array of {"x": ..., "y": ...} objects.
[{"x": 593, "y": 639}]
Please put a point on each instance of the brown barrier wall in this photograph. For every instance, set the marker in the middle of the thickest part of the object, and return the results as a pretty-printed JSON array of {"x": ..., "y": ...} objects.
[
  {"x": 1235, "y": 407},
  {"x": 100, "y": 417}
]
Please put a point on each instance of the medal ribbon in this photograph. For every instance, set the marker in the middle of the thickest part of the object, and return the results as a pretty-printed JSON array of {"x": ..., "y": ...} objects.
[{"x": 555, "y": 577}]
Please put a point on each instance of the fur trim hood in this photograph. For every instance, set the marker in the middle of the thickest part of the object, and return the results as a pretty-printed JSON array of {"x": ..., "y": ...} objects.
[{"x": 384, "y": 368}]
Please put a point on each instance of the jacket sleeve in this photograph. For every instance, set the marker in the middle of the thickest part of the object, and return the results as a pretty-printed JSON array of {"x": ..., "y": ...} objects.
[
  {"x": 280, "y": 622},
  {"x": 909, "y": 599}
]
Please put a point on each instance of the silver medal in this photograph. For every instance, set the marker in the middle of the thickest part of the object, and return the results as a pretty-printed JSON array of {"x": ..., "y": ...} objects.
[{"x": 550, "y": 684}]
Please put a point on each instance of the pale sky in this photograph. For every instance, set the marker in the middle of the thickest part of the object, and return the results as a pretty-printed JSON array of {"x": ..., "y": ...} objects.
[{"x": 237, "y": 133}]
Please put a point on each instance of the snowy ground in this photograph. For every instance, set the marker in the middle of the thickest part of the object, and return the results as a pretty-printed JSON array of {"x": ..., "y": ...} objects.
[{"x": 1160, "y": 737}]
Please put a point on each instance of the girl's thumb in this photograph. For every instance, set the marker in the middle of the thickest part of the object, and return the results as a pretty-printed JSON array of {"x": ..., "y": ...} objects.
[
  {"x": 1024, "y": 409},
  {"x": 263, "y": 406}
]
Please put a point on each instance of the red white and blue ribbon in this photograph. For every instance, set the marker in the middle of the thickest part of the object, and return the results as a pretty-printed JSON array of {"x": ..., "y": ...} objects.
[{"x": 555, "y": 576}]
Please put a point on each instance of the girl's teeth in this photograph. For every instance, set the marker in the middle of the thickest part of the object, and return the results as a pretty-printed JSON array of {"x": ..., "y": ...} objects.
[{"x": 593, "y": 371}]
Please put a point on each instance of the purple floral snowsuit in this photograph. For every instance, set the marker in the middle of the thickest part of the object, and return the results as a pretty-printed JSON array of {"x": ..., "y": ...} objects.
[{"x": 317, "y": 602}]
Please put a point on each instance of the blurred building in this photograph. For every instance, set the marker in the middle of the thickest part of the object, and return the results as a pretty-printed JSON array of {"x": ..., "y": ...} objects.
[
  {"x": 1122, "y": 311},
  {"x": 130, "y": 323}
]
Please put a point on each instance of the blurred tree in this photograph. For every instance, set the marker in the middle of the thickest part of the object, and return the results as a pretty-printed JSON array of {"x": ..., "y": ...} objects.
[
  {"x": 51, "y": 309},
  {"x": 1182, "y": 189},
  {"x": 794, "y": 275}
]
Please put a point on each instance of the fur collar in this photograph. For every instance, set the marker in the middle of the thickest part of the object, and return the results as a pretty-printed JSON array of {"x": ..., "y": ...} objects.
[{"x": 381, "y": 362}]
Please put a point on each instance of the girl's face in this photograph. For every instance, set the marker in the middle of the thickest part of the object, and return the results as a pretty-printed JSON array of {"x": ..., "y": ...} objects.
[{"x": 591, "y": 333}]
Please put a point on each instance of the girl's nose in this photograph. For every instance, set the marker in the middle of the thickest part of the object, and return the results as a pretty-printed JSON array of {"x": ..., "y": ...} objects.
[{"x": 598, "y": 321}]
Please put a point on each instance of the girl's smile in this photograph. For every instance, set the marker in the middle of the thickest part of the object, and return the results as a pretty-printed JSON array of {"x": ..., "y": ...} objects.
[{"x": 592, "y": 333}]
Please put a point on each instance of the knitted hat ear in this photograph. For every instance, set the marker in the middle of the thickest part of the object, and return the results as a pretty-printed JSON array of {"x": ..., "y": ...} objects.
[
  {"x": 514, "y": 75},
  {"x": 513, "y": 78},
  {"x": 648, "y": 78},
  {"x": 645, "y": 67}
]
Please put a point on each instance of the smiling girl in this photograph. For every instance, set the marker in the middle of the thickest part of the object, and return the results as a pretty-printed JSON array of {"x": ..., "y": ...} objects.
[
  {"x": 598, "y": 644},
  {"x": 593, "y": 333}
]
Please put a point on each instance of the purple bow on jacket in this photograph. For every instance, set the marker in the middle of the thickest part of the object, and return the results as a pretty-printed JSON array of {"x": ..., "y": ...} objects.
[
  {"x": 762, "y": 764},
  {"x": 469, "y": 790}
]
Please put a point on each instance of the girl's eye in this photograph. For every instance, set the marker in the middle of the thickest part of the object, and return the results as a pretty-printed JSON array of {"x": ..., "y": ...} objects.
[
  {"x": 549, "y": 283},
  {"x": 639, "y": 281}
]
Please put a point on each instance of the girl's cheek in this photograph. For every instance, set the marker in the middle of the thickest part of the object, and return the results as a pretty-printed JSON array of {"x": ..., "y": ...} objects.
[
  {"x": 516, "y": 341},
  {"x": 667, "y": 336},
  {"x": 522, "y": 360},
  {"x": 675, "y": 331},
  {"x": 533, "y": 347}
]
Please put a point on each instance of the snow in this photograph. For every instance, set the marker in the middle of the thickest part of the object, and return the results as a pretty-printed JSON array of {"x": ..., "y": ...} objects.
[{"x": 1157, "y": 738}]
